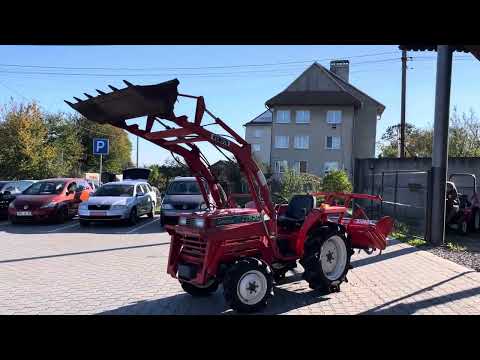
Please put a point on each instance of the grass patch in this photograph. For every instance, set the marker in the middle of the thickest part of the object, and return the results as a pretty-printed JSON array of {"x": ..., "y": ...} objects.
[
  {"x": 402, "y": 233},
  {"x": 455, "y": 247}
]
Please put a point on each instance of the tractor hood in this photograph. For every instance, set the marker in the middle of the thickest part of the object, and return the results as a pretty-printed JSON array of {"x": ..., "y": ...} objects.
[
  {"x": 136, "y": 174},
  {"x": 131, "y": 102}
]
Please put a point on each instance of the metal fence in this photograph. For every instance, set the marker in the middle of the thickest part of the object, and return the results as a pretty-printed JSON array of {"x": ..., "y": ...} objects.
[{"x": 405, "y": 196}]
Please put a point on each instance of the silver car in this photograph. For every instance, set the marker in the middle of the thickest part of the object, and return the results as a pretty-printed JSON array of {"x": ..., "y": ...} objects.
[{"x": 118, "y": 201}]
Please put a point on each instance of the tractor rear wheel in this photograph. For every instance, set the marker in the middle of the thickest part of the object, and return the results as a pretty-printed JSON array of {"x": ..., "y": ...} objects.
[
  {"x": 475, "y": 225},
  {"x": 463, "y": 228},
  {"x": 196, "y": 291},
  {"x": 248, "y": 285},
  {"x": 326, "y": 259}
]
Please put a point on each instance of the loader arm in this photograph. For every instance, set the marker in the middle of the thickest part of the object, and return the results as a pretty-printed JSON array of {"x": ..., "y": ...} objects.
[{"x": 156, "y": 102}]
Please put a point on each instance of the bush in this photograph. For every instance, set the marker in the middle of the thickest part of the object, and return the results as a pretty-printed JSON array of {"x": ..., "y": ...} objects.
[
  {"x": 337, "y": 181},
  {"x": 293, "y": 184}
]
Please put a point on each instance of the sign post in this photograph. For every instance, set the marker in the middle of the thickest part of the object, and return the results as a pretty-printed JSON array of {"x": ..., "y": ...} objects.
[{"x": 101, "y": 147}]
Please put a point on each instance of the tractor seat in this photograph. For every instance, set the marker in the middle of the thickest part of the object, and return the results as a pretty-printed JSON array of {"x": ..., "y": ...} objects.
[{"x": 298, "y": 208}]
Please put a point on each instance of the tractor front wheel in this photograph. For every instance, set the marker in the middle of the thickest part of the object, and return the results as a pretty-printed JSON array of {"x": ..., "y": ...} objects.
[
  {"x": 326, "y": 259},
  {"x": 196, "y": 291},
  {"x": 248, "y": 285}
]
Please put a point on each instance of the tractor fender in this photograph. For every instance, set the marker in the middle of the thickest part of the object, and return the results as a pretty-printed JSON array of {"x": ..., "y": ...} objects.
[{"x": 315, "y": 220}]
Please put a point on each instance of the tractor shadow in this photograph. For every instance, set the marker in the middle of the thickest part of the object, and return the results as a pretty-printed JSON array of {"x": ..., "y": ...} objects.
[{"x": 184, "y": 304}]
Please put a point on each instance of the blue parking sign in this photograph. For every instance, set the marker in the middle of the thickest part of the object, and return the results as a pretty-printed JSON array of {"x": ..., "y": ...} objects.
[{"x": 100, "y": 147}]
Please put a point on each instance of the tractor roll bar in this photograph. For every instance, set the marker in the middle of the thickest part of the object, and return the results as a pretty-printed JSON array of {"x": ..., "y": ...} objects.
[{"x": 474, "y": 178}]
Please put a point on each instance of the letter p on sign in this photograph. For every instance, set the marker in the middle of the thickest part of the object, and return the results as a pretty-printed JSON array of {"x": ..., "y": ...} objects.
[{"x": 100, "y": 147}]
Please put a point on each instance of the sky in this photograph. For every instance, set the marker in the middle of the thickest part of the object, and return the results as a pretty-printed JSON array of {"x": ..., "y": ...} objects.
[{"x": 235, "y": 80}]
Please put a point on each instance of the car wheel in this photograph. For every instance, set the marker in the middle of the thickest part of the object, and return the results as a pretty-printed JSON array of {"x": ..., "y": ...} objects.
[
  {"x": 62, "y": 215},
  {"x": 151, "y": 214},
  {"x": 84, "y": 223},
  {"x": 133, "y": 218}
]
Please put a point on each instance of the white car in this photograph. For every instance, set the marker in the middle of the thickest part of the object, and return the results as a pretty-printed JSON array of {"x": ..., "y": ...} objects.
[{"x": 119, "y": 201}]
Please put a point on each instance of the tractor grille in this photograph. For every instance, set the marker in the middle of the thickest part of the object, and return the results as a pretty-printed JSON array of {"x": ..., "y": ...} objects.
[{"x": 193, "y": 249}]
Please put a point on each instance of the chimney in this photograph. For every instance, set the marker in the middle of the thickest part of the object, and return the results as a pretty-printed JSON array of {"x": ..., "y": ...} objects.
[{"x": 340, "y": 68}]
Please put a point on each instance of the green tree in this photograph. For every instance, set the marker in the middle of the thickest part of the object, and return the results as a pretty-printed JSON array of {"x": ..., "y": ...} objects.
[
  {"x": 337, "y": 181},
  {"x": 464, "y": 138},
  {"x": 26, "y": 148},
  {"x": 157, "y": 178},
  {"x": 65, "y": 137},
  {"x": 119, "y": 157}
]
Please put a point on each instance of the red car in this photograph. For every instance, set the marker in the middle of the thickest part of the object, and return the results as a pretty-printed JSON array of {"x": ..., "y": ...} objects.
[{"x": 50, "y": 200}]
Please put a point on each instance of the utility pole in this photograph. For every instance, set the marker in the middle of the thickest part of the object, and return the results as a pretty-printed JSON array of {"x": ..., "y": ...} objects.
[
  {"x": 137, "y": 151},
  {"x": 404, "y": 91}
]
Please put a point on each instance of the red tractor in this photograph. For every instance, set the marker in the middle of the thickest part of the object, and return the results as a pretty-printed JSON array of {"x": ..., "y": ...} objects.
[
  {"x": 462, "y": 211},
  {"x": 246, "y": 250}
]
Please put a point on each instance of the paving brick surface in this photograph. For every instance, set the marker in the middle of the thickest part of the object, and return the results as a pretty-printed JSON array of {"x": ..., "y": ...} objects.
[{"x": 120, "y": 270}]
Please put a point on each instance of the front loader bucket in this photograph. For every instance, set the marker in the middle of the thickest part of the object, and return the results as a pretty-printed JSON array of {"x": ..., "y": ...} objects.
[{"x": 131, "y": 102}]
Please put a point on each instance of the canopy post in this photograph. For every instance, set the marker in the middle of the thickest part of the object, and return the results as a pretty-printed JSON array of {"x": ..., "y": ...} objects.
[{"x": 440, "y": 143}]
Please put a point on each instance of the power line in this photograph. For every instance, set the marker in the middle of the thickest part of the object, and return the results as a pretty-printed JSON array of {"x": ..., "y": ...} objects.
[
  {"x": 174, "y": 74},
  {"x": 192, "y": 68}
]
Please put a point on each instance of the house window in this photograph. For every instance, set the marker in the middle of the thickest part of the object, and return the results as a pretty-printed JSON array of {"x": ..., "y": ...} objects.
[
  {"x": 281, "y": 142},
  {"x": 283, "y": 116},
  {"x": 334, "y": 117},
  {"x": 332, "y": 142},
  {"x": 300, "y": 167},
  {"x": 302, "y": 117},
  {"x": 256, "y": 147},
  {"x": 301, "y": 142},
  {"x": 281, "y": 166},
  {"x": 258, "y": 133},
  {"x": 330, "y": 166}
]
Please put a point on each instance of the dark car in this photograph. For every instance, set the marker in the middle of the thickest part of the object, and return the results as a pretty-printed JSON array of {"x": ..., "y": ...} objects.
[
  {"x": 183, "y": 195},
  {"x": 9, "y": 190},
  {"x": 49, "y": 200}
]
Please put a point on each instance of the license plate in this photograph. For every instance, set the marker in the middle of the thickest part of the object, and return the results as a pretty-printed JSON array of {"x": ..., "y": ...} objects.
[
  {"x": 98, "y": 213},
  {"x": 24, "y": 213}
]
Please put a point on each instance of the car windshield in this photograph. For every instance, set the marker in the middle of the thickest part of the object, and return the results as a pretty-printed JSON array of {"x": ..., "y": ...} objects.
[
  {"x": 16, "y": 187},
  {"x": 115, "y": 190},
  {"x": 45, "y": 188},
  {"x": 184, "y": 188},
  {"x": 2, "y": 184}
]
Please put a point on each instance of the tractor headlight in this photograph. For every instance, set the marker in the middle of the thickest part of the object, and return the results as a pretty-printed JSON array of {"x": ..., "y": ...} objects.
[
  {"x": 167, "y": 206},
  {"x": 200, "y": 222},
  {"x": 182, "y": 220}
]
